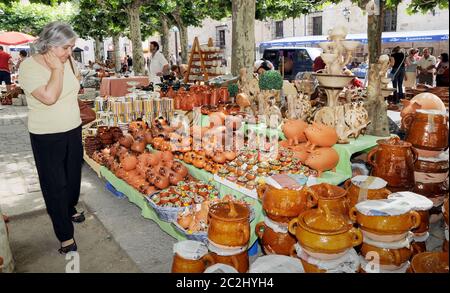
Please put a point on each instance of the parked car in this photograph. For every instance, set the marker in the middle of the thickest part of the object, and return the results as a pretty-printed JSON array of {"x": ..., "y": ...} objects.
[{"x": 296, "y": 59}]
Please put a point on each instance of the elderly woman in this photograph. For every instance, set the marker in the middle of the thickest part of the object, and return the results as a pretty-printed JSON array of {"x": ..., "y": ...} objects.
[{"x": 49, "y": 81}]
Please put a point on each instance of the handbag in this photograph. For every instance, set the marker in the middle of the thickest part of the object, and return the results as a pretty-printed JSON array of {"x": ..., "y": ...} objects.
[{"x": 87, "y": 115}]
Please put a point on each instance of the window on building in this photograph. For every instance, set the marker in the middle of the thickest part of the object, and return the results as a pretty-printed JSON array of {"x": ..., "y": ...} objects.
[
  {"x": 222, "y": 39},
  {"x": 317, "y": 25},
  {"x": 279, "y": 29},
  {"x": 390, "y": 20}
]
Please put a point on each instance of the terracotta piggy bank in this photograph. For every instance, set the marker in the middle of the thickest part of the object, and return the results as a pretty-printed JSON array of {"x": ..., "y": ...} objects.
[
  {"x": 320, "y": 135},
  {"x": 322, "y": 159},
  {"x": 294, "y": 130}
]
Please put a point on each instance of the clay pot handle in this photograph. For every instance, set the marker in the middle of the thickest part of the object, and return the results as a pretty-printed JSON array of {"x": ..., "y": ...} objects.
[
  {"x": 370, "y": 156},
  {"x": 407, "y": 121},
  {"x": 386, "y": 192},
  {"x": 259, "y": 229},
  {"x": 397, "y": 257},
  {"x": 293, "y": 226},
  {"x": 312, "y": 198},
  {"x": 357, "y": 236},
  {"x": 293, "y": 251},
  {"x": 261, "y": 190},
  {"x": 232, "y": 213},
  {"x": 235, "y": 262},
  {"x": 415, "y": 219},
  {"x": 352, "y": 214},
  {"x": 347, "y": 183},
  {"x": 208, "y": 260},
  {"x": 415, "y": 154}
]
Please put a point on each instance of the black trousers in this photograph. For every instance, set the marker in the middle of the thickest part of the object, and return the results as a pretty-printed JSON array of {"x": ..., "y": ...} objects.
[{"x": 59, "y": 157}]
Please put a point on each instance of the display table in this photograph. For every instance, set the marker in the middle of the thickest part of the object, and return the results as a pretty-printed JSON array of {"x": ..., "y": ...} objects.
[
  {"x": 118, "y": 87},
  {"x": 93, "y": 164}
]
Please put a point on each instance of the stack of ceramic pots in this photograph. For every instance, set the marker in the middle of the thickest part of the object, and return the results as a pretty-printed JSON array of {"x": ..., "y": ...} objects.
[
  {"x": 281, "y": 206},
  {"x": 324, "y": 236},
  {"x": 361, "y": 188},
  {"x": 393, "y": 160},
  {"x": 229, "y": 234},
  {"x": 386, "y": 226},
  {"x": 445, "y": 213},
  {"x": 191, "y": 257},
  {"x": 427, "y": 131},
  {"x": 421, "y": 205}
]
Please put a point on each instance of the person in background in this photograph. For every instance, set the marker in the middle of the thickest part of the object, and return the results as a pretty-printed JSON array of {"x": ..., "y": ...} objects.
[
  {"x": 397, "y": 61},
  {"x": 130, "y": 63},
  {"x": 158, "y": 64},
  {"x": 175, "y": 72},
  {"x": 90, "y": 64},
  {"x": 49, "y": 80},
  {"x": 22, "y": 55},
  {"x": 426, "y": 66},
  {"x": 411, "y": 69},
  {"x": 6, "y": 65},
  {"x": 442, "y": 76},
  {"x": 318, "y": 64},
  {"x": 262, "y": 66}
]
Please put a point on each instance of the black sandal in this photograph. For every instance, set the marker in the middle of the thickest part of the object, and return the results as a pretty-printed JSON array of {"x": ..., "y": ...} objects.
[
  {"x": 79, "y": 219},
  {"x": 68, "y": 248}
]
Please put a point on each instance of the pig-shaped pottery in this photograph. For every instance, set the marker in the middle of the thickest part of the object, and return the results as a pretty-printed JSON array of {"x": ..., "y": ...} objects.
[
  {"x": 320, "y": 135},
  {"x": 294, "y": 130},
  {"x": 301, "y": 152},
  {"x": 322, "y": 159}
]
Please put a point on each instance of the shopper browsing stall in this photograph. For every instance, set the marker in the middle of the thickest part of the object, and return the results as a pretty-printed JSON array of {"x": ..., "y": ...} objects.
[
  {"x": 158, "y": 64},
  {"x": 51, "y": 86},
  {"x": 426, "y": 67}
]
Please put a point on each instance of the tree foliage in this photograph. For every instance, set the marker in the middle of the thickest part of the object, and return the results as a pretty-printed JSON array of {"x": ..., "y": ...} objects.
[{"x": 31, "y": 18}]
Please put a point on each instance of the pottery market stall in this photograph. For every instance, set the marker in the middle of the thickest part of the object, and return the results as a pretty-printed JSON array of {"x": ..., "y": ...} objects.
[{"x": 118, "y": 87}]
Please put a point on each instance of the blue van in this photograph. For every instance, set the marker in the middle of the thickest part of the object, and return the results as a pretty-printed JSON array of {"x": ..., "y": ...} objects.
[{"x": 296, "y": 59}]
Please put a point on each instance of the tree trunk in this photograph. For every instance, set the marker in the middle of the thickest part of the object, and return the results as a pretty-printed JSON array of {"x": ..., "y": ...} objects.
[
  {"x": 116, "y": 55},
  {"x": 375, "y": 103},
  {"x": 184, "y": 43},
  {"x": 243, "y": 38},
  {"x": 165, "y": 38},
  {"x": 98, "y": 49},
  {"x": 135, "y": 36}
]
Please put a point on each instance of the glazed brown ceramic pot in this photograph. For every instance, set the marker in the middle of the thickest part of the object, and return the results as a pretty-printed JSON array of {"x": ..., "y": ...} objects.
[
  {"x": 393, "y": 160},
  {"x": 229, "y": 224},
  {"x": 418, "y": 247},
  {"x": 334, "y": 197},
  {"x": 184, "y": 265},
  {"x": 355, "y": 193},
  {"x": 430, "y": 262},
  {"x": 274, "y": 242},
  {"x": 239, "y": 261},
  {"x": 388, "y": 256},
  {"x": 386, "y": 225},
  {"x": 281, "y": 205},
  {"x": 431, "y": 177},
  {"x": 426, "y": 130},
  {"x": 323, "y": 231}
]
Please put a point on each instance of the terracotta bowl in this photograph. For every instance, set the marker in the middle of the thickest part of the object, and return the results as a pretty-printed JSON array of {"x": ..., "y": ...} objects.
[
  {"x": 183, "y": 265},
  {"x": 353, "y": 193},
  {"x": 239, "y": 261},
  {"x": 324, "y": 232},
  {"x": 390, "y": 225},
  {"x": 273, "y": 242},
  {"x": 388, "y": 256},
  {"x": 430, "y": 262}
]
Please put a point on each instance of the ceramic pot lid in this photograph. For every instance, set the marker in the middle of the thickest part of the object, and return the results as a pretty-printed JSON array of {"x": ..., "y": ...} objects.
[
  {"x": 418, "y": 202},
  {"x": 321, "y": 221},
  {"x": 190, "y": 249},
  {"x": 229, "y": 211},
  {"x": 383, "y": 207},
  {"x": 368, "y": 182},
  {"x": 276, "y": 264}
]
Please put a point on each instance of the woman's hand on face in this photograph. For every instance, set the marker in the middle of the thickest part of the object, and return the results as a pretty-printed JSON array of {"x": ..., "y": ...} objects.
[{"x": 52, "y": 61}]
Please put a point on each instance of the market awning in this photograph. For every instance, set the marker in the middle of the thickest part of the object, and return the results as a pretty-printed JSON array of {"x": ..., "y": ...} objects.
[
  {"x": 15, "y": 38},
  {"x": 387, "y": 37}
]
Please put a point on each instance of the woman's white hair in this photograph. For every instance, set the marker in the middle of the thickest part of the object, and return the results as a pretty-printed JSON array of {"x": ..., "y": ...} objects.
[{"x": 54, "y": 34}]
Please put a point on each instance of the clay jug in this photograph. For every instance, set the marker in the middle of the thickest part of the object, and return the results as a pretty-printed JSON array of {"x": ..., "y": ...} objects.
[{"x": 393, "y": 160}]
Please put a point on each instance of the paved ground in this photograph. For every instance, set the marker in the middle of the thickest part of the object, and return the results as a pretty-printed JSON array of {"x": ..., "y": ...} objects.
[{"x": 115, "y": 238}]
